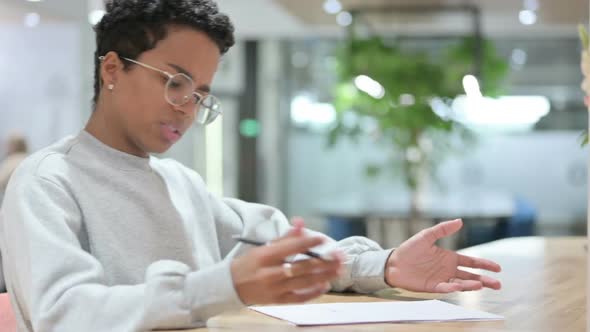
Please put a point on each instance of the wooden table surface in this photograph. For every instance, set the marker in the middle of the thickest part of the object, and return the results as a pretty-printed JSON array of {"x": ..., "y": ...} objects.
[{"x": 544, "y": 289}]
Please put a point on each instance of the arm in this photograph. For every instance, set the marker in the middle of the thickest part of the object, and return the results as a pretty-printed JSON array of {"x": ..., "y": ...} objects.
[
  {"x": 417, "y": 265},
  {"x": 61, "y": 287},
  {"x": 364, "y": 263}
]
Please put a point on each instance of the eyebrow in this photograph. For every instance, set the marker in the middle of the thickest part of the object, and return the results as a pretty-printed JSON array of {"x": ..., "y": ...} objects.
[{"x": 204, "y": 88}]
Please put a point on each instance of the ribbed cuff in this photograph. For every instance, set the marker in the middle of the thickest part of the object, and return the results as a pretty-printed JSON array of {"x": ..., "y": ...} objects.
[
  {"x": 211, "y": 291},
  {"x": 368, "y": 273}
]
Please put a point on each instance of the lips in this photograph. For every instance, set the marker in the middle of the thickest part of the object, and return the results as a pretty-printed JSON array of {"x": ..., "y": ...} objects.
[{"x": 170, "y": 132}]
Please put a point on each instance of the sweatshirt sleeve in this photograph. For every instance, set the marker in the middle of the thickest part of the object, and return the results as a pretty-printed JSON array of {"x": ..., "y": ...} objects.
[
  {"x": 365, "y": 259},
  {"x": 59, "y": 286}
]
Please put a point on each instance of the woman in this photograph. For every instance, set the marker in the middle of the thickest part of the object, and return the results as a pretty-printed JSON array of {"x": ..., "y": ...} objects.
[{"x": 99, "y": 235}]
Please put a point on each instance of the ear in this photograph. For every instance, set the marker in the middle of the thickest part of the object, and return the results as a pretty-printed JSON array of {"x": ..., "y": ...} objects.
[{"x": 111, "y": 66}]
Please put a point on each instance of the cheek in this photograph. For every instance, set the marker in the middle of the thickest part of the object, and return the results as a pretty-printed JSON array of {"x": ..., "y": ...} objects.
[
  {"x": 144, "y": 98},
  {"x": 126, "y": 93},
  {"x": 153, "y": 96},
  {"x": 151, "y": 90}
]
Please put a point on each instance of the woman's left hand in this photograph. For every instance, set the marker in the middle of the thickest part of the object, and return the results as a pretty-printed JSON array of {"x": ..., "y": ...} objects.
[{"x": 421, "y": 266}]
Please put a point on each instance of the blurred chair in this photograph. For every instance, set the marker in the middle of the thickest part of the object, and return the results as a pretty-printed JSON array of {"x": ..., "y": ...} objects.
[
  {"x": 340, "y": 227},
  {"x": 521, "y": 223}
]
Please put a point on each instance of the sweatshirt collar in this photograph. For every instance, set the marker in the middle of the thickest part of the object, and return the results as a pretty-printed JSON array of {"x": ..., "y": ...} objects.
[{"x": 114, "y": 157}]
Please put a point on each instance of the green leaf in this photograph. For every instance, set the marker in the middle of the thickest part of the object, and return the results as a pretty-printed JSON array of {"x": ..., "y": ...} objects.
[
  {"x": 583, "y": 36},
  {"x": 372, "y": 171},
  {"x": 334, "y": 134},
  {"x": 584, "y": 139}
]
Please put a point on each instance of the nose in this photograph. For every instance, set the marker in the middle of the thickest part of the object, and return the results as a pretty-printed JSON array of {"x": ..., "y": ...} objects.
[{"x": 187, "y": 109}]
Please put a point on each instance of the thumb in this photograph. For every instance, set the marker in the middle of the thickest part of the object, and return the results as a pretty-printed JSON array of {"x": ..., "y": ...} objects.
[
  {"x": 298, "y": 225},
  {"x": 444, "y": 229},
  {"x": 296, "y": 230}
]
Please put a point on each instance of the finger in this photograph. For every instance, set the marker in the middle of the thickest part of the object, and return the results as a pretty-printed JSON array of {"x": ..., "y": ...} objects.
[
  {"x": 307, "y": 280},
  {"x": 486, "y": 281},
  {"x": 447, "y": 287},
  {"x": 276, "y": 276},
  {"x": 272, "y": 275},
  {"x": 304, "y": 295},
  {"x": 298, "y": 224},
  {"x": 479, "y": 263},
  {"x": 467, "y": 285},
  {"x": 443, "y": 229},
  {"x": 311, "y": 266},
  {"x": 296, "y": 230},
  {"x": 338, "y": 255},
  {"x": 276, "y": 252}
]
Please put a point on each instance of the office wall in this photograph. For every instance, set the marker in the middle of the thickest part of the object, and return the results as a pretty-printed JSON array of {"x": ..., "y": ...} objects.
[
  {"x": 547, "y": 168},
  {"x": 40, "y": 82}
]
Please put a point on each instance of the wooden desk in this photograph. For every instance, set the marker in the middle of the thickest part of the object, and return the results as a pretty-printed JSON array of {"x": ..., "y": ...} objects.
[{"x": 544, "y": 289}]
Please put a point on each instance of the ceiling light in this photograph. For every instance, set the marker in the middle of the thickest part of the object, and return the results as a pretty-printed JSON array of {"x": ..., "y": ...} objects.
[
  {"x": 527, "y": 17},
  {"x": 344, "y": 19},
  {"x": 518, "y": 58},
  {"x": 332, "y": 6},
  {"x": 32, "y": 20}
]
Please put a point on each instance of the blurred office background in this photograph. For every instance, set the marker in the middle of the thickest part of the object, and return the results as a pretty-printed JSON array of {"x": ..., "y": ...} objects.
[{"x": 522, "y": 170}]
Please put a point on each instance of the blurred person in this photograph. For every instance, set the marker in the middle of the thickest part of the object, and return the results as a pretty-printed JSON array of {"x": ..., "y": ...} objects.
[
  {"x": 16, "y": 152},
  {"x": 100, "y": 235}
]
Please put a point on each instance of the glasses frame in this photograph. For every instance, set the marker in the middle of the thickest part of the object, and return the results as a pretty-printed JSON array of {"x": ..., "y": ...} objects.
[{"x": 199, "y": 97}]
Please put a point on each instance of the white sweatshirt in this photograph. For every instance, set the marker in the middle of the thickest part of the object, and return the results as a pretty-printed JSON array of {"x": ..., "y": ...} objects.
[{"x": 94, "y": 239}]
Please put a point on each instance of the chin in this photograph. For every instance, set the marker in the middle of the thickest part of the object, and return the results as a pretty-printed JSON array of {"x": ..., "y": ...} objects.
[
  {"x": 161, "y": 148},
  {"x": 156, "y": 147}
]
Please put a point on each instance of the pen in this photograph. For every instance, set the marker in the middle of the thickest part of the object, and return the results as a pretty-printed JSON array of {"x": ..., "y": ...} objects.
[{"x": 260, "y": 243}]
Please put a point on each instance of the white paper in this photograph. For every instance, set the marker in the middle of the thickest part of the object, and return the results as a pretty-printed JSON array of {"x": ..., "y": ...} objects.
[{"x": 373, "y": 312}]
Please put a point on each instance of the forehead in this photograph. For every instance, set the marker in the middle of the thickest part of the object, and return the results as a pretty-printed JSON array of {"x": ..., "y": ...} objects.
[{"x": 190, "y": 49}]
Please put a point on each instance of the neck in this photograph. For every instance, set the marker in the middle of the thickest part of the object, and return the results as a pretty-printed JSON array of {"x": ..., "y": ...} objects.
[{"x": 111, "y": 134}]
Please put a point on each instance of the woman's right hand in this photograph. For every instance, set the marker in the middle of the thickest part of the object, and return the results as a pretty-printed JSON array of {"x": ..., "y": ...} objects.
[{"x": 261, "y": 275}]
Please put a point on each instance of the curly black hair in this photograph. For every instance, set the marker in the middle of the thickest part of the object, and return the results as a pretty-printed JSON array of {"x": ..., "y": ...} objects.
[{"x": 131, "y": 27}]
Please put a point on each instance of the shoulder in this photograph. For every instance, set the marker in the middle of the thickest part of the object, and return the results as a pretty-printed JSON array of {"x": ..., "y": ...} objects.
[{"x": 48, "y": 164}]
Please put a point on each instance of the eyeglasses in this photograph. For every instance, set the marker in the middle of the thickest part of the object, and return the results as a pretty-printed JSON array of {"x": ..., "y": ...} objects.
[{"x": 180, "y": 91}]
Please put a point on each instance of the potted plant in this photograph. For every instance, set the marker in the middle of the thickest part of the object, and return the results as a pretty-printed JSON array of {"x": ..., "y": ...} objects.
[{"x": 397, "y": 89}]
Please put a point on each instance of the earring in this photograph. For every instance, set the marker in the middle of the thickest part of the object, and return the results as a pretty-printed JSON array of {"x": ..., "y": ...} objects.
[{"x": 111, "y": 87}]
